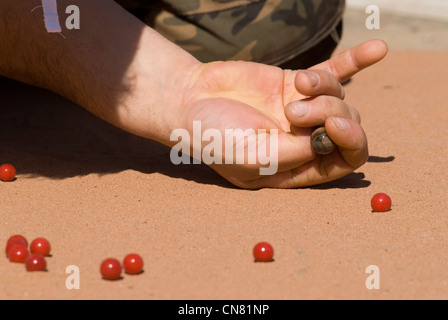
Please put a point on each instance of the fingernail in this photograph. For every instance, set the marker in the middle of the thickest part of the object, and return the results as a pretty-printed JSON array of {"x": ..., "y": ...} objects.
[
  {"x": 340, "y": 123},
  {"x": 298, "y": 108},
  {"x": 314, "y": 78}
]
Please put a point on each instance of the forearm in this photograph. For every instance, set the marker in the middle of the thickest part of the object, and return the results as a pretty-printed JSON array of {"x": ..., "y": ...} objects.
[{"x": 114, "y": 66}]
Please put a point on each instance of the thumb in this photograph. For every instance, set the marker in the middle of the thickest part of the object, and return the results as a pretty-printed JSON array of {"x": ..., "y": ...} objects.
[{"x": 350, "y": 62}]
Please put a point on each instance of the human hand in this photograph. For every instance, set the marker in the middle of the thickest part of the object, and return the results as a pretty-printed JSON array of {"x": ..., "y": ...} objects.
[{"x": 251, "y": 96}]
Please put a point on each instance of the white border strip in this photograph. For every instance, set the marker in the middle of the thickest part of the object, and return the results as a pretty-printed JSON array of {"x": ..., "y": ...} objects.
[{"x": 435, "y": 9}]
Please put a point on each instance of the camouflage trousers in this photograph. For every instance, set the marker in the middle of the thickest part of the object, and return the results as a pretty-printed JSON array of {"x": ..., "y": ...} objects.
[{"x": 287, "y": 33}]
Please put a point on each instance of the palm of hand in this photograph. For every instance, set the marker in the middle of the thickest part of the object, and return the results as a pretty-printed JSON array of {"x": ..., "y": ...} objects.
[
  {"x": 247, "y": 96},
  {"x": 253, "y": 95}
]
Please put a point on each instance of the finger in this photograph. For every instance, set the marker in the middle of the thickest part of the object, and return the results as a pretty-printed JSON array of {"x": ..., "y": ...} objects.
[
  {"x": 351, "y": 61},
  {"x": 282, "y": 151},
  {"x": 350, "y": 138},
  {"x": 351, "y": 154},
  {"x": 315, "y": 111},
  {"x": 275, "y": 152},
  {"x": 318, "y": 82},
  {"x": 289, "y": 150}
]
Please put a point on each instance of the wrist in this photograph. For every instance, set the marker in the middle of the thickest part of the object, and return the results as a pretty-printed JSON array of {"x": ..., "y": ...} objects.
[{"x": 157, "y": 82}]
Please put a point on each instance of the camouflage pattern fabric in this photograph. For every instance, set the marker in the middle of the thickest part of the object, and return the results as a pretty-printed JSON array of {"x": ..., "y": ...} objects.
[{"x": 267, "y": 31}]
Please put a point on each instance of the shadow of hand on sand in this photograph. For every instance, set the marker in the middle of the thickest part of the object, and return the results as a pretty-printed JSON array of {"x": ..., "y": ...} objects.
[
  {"x": 43, "y": 134},
  {"x": 353, "y": 180},
  {"x": 380, "y": 159}
]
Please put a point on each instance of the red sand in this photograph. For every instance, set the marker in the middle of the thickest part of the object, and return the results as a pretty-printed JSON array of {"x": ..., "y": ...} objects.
[{"x": 96, "y": 192}]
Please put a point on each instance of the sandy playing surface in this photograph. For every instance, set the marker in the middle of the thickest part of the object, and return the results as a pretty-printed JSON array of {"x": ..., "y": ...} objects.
[{"x": 96, "y": 192}]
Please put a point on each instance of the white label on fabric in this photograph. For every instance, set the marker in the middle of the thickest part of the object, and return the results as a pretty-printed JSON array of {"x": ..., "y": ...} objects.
[{"x": 51, "y": 16}]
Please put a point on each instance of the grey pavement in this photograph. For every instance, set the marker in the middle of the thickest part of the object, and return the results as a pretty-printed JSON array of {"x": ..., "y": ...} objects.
[{"x": 400, "y": 32}]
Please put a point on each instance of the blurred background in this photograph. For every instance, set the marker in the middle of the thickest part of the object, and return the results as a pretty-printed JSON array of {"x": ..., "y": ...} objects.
[{"x": 404, "y": 24}]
